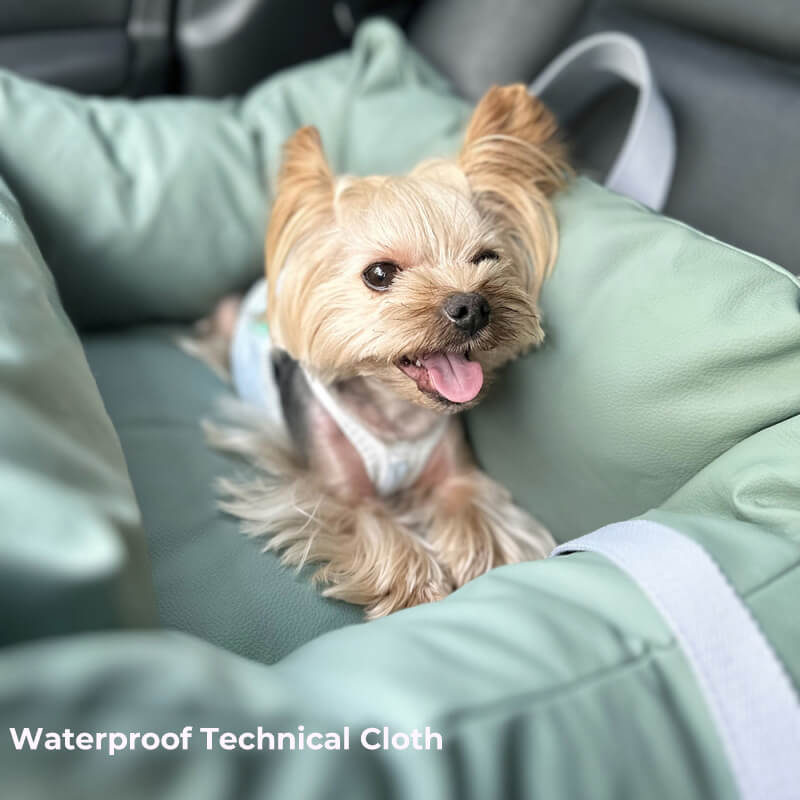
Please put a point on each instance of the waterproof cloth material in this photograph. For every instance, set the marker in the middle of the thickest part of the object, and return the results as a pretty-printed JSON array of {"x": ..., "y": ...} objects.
[
  {"x": 665, "y": 349},
  {"x": 72, "y": 550},
  {"x": 209, "y": 578},
  {"x": 669, "y": 379},
  {"x": 150, "y": 210},
  {"x": 552, "y": 679},
  {"x": 611, "y": 435},
  {"x": 755, "y": 708}
]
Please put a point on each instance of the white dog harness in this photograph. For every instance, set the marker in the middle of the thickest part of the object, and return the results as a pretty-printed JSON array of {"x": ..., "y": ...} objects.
[{"x": 390, "y": 466}]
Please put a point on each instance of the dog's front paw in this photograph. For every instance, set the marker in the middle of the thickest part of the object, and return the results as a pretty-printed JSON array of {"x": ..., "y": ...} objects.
[
  {"x": 404, "y": 596},
  {"x": 476, "y": 527},
  {"x": 381, "y": 565},
  {"x": 410, "y": 587}
]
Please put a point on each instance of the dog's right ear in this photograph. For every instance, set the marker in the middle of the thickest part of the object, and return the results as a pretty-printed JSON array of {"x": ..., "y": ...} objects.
[
  {"x": 514, "y": 160},
  {"x": 512, "y": 134},
  {"x": 303, "y": 200}
]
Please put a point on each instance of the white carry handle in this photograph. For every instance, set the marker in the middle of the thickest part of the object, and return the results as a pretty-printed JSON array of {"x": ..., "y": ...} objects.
[{"x": 643, "y": 169}]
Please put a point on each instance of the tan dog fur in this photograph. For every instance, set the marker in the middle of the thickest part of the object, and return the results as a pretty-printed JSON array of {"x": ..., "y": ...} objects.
[{"x": 319, "y": 507}]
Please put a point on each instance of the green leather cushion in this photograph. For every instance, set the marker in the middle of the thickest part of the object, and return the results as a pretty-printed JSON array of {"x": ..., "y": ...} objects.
[
  {"x": 669, "y": 379},
  {"x": 209, "y": 578},
  {"x": 650, "y": 378},
  {"x": 150, "y": 210},
  {"x": 72, "y": 549},
  {"x": 665, "y": 348},
  {"x": 659, "y": 356}
]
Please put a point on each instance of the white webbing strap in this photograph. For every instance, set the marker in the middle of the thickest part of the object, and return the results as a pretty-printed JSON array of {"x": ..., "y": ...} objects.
[
  {"x": 749, "y": 694},
  {"x": 643, "y": 169}
]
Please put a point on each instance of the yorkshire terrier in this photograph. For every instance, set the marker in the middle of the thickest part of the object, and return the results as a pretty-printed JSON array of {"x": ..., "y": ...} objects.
[{"x": 389, "y": 306}]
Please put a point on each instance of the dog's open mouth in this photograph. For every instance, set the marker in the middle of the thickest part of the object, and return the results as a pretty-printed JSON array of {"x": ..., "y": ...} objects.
[{"x": 452, "y": 376}]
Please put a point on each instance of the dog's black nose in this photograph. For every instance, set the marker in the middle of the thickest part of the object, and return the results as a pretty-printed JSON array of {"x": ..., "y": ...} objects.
[{"x": 469, "y": 312}]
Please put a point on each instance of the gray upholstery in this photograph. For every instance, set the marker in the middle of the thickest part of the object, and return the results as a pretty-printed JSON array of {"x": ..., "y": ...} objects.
[
  {"x": 226, "y": 46},
  {"x": 769, "y": 25},
  {"x": 736, "y": 109},
  {"x": 477, "y": 43},
  {"x": 737, "y": 118},
  {"x": 92, "y": 60},
  {"x": 91, "y": 46},
  {"x": 22, "y": 16}
]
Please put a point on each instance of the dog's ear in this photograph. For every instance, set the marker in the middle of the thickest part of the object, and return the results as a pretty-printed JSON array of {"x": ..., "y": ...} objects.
[
  {"x": 512, "y": 130},
  {"x": 303, "y": 199},
  {"x": 514, "y": 160}
]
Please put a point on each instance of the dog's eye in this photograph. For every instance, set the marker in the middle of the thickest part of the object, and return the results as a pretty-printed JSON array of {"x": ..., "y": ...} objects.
[
  {"x": 485, "y": 255},
  {"x": 379, "y": 276}
]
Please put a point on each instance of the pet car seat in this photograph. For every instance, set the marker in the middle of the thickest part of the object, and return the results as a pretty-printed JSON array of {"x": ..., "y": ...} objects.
[{"x": 666, "y": 394}]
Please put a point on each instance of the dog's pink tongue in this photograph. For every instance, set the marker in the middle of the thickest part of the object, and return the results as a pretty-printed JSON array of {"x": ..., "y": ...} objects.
[{"x": 453, "y": 376}]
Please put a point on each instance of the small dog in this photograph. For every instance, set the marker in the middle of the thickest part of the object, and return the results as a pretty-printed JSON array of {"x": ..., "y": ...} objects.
[{"x": 392, "y": 303}]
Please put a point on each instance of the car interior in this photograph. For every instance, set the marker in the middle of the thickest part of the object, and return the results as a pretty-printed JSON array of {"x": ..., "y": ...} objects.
[
  {"x": 728, "y": 69},
  {"x": 654, "y": 649}
]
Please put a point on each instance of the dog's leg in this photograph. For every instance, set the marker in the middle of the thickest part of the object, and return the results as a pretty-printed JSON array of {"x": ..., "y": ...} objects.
[
  {"x": 316, "y": 505},
  {"x": 377, "y": 563},
  {"x": 210, "y": 340},
  {"x": 366, "y": 557},
  {"x": 371, "y": 557},
  {"x": 473, "y": 523}
]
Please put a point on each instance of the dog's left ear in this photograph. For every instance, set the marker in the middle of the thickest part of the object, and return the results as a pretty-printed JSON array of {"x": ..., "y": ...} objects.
[
  {"x": 303, "y": 200},
  {"x": 514, "y": 160}
]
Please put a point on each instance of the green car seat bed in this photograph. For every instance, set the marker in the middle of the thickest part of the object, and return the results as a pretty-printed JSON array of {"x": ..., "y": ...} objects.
[{"x": 655, "y": 434}]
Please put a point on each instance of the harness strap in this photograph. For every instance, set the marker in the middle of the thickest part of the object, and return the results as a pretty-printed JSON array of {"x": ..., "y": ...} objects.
[
  {"x": 751, "y": 698},
  {"x": 390, "y": 466}
]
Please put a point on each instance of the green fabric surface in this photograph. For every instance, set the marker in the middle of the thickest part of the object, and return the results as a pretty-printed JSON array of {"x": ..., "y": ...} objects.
[
  {"x": 551, "y": 679},
  {"x": 72, "y": 551},
  {"x": 529, "y": 673},
  {"x": 150, "y": 210},
  {"x": 664, "y": 349},
  {"x": 668, "y": 385},
  {"x": 209, "y": 578}
]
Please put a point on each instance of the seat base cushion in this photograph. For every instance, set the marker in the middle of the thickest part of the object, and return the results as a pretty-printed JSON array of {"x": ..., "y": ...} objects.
[{"x": 210, "y": 579}]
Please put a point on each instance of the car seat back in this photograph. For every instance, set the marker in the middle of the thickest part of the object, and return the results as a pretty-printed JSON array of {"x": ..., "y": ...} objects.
[{"x": 729, "y": 69}]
